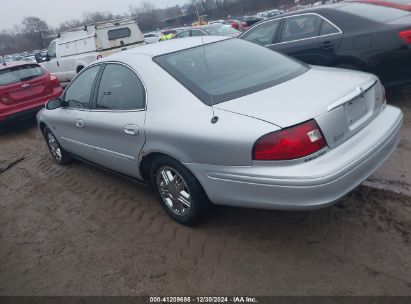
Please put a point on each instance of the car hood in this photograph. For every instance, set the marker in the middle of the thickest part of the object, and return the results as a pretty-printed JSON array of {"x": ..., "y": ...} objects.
[{"x": 300, "y": 99}]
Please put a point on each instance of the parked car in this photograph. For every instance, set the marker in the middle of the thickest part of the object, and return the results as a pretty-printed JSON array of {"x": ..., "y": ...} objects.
[
  {"x": 400, "y": 4},
  {"x": 74, "y": 50},
  {"x": 236, "y": 24},
  {"x": 224, "y": 121},
  {"x": 249, "y": 21},
  {"x": 209, "y": 30},
  {"x": 357, "y": 36},
  {"x": 152, "y": 37},
  {"x": 24, "y": 89}
]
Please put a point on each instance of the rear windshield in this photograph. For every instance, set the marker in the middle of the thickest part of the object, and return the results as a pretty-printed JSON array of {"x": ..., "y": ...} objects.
[
  {"x": 373, "y": 12},
  {"x": 20, "y": 73},
  {"x": 119, "y": 33},
  {"x": 229, "y": 69}
]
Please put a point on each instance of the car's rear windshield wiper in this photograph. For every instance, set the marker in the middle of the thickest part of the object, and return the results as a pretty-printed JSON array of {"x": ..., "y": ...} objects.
[{"x": 28, "y": 78}]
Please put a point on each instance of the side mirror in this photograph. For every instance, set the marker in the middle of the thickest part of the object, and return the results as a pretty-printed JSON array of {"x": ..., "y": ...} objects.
[
  {"x": 39, "y": 57},
  {"x": 54, "y": 104}
]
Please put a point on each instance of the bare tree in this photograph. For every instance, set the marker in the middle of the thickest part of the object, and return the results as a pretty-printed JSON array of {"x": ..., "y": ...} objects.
[
  {"x": 146, "y": 15},
  {"x": 36, "y": 30}
]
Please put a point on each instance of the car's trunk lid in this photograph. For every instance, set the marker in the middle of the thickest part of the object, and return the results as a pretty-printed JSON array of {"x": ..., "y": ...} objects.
[
  {"x": 342, "y": 102},
  {"x": 33, "y": 86}
]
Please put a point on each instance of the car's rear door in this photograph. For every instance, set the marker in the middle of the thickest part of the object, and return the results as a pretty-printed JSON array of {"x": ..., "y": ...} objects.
[
  {"x": 115, "y": 126},
  {"x": 309, "y": 38},
  {"x": 70, "y": 122}
]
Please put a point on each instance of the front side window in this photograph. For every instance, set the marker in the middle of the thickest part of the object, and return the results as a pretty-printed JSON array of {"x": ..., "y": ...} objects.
[
  {"x": 225, "y": 70},
  {"x": 119, "y": 33},
  {"x": 262, "y": 34},
  {"x": 78, "y": 94},
  {"x": 120, "y": 89},
  {"x": 51, "y": 51},
  {"x": 20, "y": 73},
  {"x": 301, "y": 27}
]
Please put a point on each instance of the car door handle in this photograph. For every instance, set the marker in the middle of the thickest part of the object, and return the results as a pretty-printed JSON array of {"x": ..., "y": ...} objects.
[
  {"x": 327, "y": 45},
  {"x": 79, "y": 123},
  {"x": 131, "y": 130}
]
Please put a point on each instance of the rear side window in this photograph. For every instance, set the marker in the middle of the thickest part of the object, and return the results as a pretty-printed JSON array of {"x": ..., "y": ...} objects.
[
  {"x": 120, "y": 89},
  {"x": 376, "y": 13},
  {"x": 184, "y": 34},
  {"x": 327, "y": 28},
  {"x": 195, "y": 33},
  {"x": 301, "y": 27},
  {"x": 229, "y": 69},
  {"x": 20, "y": 73},
  {"x": 119, "y": 33},
  {"x": 262, "y": 34}
]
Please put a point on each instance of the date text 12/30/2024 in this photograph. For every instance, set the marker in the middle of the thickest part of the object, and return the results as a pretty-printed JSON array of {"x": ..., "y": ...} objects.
[{"x": 239, "y": 299}]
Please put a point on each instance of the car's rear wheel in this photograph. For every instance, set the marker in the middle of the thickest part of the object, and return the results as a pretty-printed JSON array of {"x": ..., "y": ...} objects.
[
  {"x": 179, "y": 192},
  {"x": 60, "y": 156}
]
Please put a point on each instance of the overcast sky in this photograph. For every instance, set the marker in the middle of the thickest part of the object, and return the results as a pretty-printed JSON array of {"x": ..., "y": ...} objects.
[{"x": 57, "y": 11}]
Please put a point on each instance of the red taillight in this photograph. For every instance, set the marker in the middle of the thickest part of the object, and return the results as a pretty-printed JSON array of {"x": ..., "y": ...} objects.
[
  {"x": 291, "y": 143},
  {"x": 406, "y": 36},
  {"x": 53, "y": 78}
]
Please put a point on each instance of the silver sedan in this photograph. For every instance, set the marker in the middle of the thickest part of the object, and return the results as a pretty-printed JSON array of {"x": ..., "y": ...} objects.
[{"x": 223, "y": 121}]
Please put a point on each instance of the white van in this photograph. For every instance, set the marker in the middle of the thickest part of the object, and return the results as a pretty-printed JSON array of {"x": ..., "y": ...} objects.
[{"x": 75, "y": 49}]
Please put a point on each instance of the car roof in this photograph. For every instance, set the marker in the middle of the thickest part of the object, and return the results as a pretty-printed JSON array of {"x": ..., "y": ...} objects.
[
  {"x": 315, "y": 9},
  {"x": 14, "y": 64},
  {"x": 170, "y": 46}
]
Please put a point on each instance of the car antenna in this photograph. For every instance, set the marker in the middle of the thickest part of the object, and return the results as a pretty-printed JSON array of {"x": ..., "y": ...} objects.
[{"x": 215, "y": 118}]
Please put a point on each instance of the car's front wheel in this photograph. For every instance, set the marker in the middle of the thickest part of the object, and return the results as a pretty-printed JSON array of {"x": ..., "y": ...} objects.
[
  {"x": 60, "y": 156},
  {"x": 179, "y": 192}
]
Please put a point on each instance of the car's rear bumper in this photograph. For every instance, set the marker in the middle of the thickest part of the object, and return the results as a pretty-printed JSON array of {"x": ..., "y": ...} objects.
[
  {"x": 27, "y": 109},
  {"x": 305, "y": 185}
]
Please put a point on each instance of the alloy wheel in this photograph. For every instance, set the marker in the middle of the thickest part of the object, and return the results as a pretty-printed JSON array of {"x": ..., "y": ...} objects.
[{"x": 174, "y": 191}]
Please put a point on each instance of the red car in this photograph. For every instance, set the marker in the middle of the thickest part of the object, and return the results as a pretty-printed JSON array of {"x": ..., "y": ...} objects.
[
  {"x": 238, "y": 25},
  {"x": 24, "y": 89},
  {"x": 401, "y": 4}
]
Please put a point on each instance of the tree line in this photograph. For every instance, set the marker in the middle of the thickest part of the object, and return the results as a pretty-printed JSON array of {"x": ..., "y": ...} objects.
[{"x": 34, "y": 33}]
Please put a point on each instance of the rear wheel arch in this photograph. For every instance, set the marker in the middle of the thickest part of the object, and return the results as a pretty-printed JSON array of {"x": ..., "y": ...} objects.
[
  {"x": 350, "y": 63},
  {"x": 42, "y": 126},
  {"x": 147, "y": 160},
  {"x": 79, "y": 69}
]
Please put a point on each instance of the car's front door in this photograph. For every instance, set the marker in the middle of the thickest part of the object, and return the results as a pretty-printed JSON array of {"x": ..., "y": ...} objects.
[
  {"x": 309, "y": 38},
  {"x": 71, "y": 121},
  {"x": 52, "y": 64},
  {"x": 115, "y": 125}
]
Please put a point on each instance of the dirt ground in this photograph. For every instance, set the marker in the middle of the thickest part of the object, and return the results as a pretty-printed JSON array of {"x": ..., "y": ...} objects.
[{"x": 82, "y": 231}]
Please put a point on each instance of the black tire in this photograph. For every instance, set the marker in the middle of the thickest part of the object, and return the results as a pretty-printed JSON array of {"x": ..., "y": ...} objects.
[
  {"x": 65, "y": 159},
  {"x": 200, "y": 204}
]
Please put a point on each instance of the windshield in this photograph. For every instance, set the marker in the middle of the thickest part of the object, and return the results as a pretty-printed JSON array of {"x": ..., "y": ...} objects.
[
  {"x": 20, "y": 73},
  {"x": 229, "y": 69},
  {"x": 220, "y": 30}
]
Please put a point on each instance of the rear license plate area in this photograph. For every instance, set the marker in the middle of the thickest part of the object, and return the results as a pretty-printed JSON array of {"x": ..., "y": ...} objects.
[{"x": 356, "y": 109}]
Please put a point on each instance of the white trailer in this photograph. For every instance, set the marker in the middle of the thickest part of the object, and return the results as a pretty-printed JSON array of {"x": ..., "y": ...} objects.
[{"x": 73, "y": 50}]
